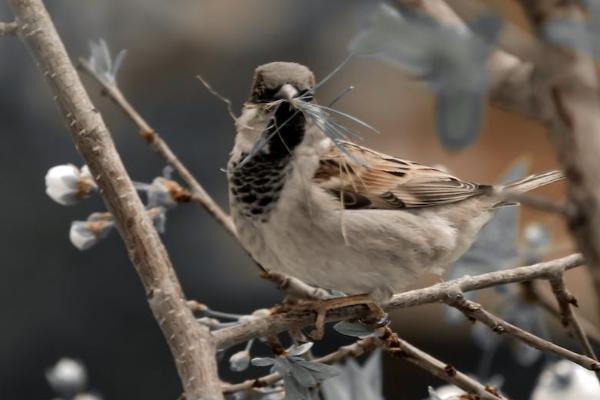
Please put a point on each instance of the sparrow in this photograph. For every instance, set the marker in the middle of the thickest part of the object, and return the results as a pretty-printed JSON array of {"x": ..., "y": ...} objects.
[{"x": 338, "y": 215}]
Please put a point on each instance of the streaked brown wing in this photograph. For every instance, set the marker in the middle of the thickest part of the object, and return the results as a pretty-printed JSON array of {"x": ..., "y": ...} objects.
[{"x": 364, "y": 178}]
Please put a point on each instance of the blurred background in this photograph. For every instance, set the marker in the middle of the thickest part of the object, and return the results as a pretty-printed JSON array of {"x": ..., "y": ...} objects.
[{"x": 56, "y": 301}]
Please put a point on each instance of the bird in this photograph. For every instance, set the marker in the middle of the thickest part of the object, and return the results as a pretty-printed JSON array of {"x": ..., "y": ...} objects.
[{"x": 338, "y": 215}]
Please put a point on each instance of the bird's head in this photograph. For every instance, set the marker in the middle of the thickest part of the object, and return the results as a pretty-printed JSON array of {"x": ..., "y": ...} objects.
[{"x": 281, "y": 81}]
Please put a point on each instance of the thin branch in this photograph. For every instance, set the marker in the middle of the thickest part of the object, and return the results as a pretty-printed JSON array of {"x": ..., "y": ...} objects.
[
  {"x": 510, "y": 77},
  {"x": 199, "y": 195},
  {"x": 356, "y": 349},
  {"x": 8, "y": 28},
  {"x": 276, "y": 323},
  {"x": 546, "y": 302},
  {"x": 540, "y": 203},
  {"x": 403, "y": 349},
  {"x": 565, "y": 300},
  {"x": 476, "y": 311},
  {"x": 191, "y": 344}
]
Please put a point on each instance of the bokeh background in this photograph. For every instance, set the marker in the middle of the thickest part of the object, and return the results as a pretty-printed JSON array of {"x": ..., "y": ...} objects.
[{"x": 56, "y": 301}]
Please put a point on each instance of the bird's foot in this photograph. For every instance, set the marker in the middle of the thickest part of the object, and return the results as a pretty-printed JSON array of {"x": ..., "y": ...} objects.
[{"x": 377, "y": 318}]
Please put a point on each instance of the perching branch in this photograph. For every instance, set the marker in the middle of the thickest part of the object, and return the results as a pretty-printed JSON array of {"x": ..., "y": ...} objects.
[
  {"x": 277, "y": 323},
  {"x": 191, "y": 344},
  {"x": 199, "y": 195},
  {"x": 8, "y": 28},
  {"x": 475, "y": 311}
]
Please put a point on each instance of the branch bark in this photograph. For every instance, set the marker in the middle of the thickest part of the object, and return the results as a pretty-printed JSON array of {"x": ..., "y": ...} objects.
[
  {"x": 277, "y": 323},
  {"x": 191, "y": 344},
  {"x": 565, "y": 300},
  {"x": 199, "y": 195},
  {"x": 568, "y": 94},
  {"x": 475, "y": 311}
]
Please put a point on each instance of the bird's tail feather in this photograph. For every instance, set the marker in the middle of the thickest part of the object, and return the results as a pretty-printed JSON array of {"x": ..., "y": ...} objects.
[{"x": 531, "y": 182}]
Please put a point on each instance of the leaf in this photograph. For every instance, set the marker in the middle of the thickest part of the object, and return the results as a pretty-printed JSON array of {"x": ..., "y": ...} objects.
[
  {"x": 296, "y": 350},
  {"x": 262, "y": 361},
  {"x": 354, "y": 329}
]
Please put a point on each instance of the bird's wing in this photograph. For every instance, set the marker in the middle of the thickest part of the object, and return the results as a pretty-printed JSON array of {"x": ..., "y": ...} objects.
[{"x": 363, "y": 178}]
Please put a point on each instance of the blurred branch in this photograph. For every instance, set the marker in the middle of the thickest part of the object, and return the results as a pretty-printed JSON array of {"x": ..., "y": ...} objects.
[
  {"x": 511, "y": 85},
  {"x": 567, "y": 91},
  {"x": 539, "y": 203},
  {"x": 356, "y": 349},
  {"x": 8, "y": 28},
  {"x": 565, "y": 300},
  {"x": 475, "y": 311},
  {"x": 279, "y": 322},
  {"x": 191, "y": 344},
  {"x": 401, "y": 348},
  {"x": 199, "y": 195}
]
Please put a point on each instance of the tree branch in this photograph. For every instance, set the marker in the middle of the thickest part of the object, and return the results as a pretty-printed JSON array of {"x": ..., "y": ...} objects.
[
  {"x": 511, "y": 85},
  {"x": 276, "y": 323},
  {"x": 8, "y": 28},
  {"x": 191, "y": 344},
  {"x": 568, "y": 94},
  {"x": 199, "y": 195},
  {"x": 475, "y": 311},
  {"x": 565, "y": 300},
  {"x": 403, "y": 349},
  {"x": 356, "y": 349}
]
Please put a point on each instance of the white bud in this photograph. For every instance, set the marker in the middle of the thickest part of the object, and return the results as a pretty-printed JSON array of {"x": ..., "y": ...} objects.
[
  {"x": 67, "y": 377},
  {"x": 66, "y": 184},
  {"x": 239, "y": 361},
  {"x": 85, "y": 234},
  {"x": 166, "y": 193},
  {"x": 87, "y": 396}
]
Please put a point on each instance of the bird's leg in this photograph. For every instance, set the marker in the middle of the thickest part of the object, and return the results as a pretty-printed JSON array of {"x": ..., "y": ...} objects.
[{"x": 377, "y": 318}]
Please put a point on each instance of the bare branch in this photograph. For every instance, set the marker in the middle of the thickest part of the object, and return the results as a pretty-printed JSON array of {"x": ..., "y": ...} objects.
[
  {"x": 277, "y": 323},
  {"x": 191, "y": 344},
  {"x": 8, "y": 28},
  {"x": 403, "y": 349},
  {"x": 475, "y": 311},
  {"x": 540, "y": 203},
  {"x": 567, "y": 91},
  {"x": 356, "y": 349},
  {"x": 565, "y": 300},
  {"x": 511, "y": 85},
  {"x": 295, "y": 287},
  {"x": 199, "y": 195}
]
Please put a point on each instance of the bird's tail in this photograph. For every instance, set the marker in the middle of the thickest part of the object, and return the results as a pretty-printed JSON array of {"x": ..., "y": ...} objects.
[
  {"x": 531, "y": 182},
  {"x": 509, "y": 190}
]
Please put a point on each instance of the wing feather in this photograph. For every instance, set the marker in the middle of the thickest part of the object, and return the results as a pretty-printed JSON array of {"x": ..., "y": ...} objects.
[{"x": 385, "y": 182}]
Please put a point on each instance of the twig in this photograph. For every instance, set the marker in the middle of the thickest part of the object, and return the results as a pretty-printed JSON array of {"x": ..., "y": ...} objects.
[
  {"x": 476, "y": 311},
  {"x": 356, "y": 349},
  {"x": 546, "y": 302},
  {"x": 565, "y": 300},
  {"x": 199, "y": 195},
  {"x": 540, "y": 203},
  {"x": 276, "y": 323},
  {"x": 403, "y": 349},
  {"x": 510, "y": 77},
  {"x": 8, "y": 28},
  {"x": 567, "y": 91},
  {"x": 191, "y": 344}
]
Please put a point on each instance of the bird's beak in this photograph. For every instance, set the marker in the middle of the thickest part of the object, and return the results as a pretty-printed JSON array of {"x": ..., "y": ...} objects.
[{"x": 287, "y": 92}]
